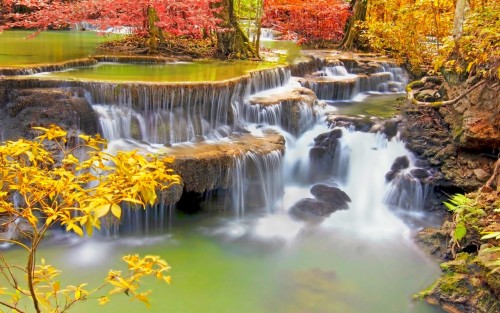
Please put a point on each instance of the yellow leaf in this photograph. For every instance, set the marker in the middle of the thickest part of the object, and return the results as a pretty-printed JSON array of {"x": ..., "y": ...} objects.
[
  {"x": 116, "y": 210},
  {"x": 84, "y": 137},
  {"x": 168, "y": 279},
  {"x": 56, "y": 286},
  {"x": 103, "y": 300},
  {"x": 101, "y": 210}
]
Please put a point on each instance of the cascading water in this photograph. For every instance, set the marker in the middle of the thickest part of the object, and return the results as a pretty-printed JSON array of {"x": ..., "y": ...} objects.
[{"x": 257, "y": 182}]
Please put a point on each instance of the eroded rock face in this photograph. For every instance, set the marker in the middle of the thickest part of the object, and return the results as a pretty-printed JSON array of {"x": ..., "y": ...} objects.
[
  {"x": 428, "y": 134},
  {"x": 205, "y": 166},
  {"x": 480, "y": 125},
  {"x": 66, "y": 107}
]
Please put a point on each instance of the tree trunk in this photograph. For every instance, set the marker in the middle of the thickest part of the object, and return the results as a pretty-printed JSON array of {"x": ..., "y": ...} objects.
[
  {"x": 458, "y": 21},
  {"x": 154, "y": 32},
  {"x": 233, "y": 43},
  {"x": 258, "y": 22},
  {"x": 351, "y": 37}
]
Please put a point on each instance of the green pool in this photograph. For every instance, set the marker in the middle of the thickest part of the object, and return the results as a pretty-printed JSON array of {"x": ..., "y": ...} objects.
[{"x": 48, "y": 47}]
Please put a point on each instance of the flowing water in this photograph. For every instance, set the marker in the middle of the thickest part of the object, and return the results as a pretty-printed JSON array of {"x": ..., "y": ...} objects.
[{"x": 250, "y": 255}]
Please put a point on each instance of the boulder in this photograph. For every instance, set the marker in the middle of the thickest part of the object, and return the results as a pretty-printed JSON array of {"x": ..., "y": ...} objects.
[
  {"x": 400, "y": 163},
  {"x": 65, "y": 107},
  {"x": 322, "y": 154},
  {"x": 335, "y": 197},
  {"x": 327, "y": 200}
]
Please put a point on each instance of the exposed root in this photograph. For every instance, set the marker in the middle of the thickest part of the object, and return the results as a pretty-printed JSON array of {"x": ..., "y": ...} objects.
[{"x": 420, "y": 83}]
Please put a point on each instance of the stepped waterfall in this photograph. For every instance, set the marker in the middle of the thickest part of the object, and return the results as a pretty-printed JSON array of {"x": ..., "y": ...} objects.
[{"x": 151, "y": 116}]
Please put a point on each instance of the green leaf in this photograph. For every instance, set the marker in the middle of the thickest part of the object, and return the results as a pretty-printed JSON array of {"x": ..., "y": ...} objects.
[
  {"x": 491, "y": 235},
  {"x": 460, "y": 231}
]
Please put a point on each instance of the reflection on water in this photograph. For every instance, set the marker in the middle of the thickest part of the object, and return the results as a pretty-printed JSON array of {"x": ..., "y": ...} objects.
[
  {"x": 47, "y": 47},
  {"x": 170, "y": 72}
]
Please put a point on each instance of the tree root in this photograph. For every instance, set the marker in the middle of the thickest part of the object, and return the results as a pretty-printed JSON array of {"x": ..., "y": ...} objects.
[
  {"x": 494, "y": 177},
  {"x": 436, "y": 104}
]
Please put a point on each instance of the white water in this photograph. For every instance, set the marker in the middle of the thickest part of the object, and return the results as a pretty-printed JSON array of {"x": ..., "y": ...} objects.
[{"x": 269, "y": 184}]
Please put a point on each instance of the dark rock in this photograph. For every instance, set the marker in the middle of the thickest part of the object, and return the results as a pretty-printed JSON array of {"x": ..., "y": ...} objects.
[
  {"x": 334, "y": 134},
  {"x": 435, "y": 241},
  {"x": 333, "y": 195},
  {"x": 390, "y": 128},
  {"x": 322, "y": 154},
  {"x": 400, "y": 163},
  {"x": 328, "y": 200},
  {"x": 317, "y": 153},
  {"x": 419, "y": 173},
  {"x": 65, "y": 107},
  {"x": 314, "y": 207},
  {"x": 389, "y": 176}
]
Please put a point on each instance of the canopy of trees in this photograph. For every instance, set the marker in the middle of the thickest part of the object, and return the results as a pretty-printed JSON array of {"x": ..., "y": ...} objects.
[
  {"x": 307, "y": 21},
  {"x": 420, "y": 33},
  {"x": 190, "y": 18}
]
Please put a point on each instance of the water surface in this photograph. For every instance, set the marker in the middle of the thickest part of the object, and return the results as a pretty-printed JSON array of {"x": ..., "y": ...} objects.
[
  {"x": 171, "y": 72},
  {"x": 17, "y": 50}
]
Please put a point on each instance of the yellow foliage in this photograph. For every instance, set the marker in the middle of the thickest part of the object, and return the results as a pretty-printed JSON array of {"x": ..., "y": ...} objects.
[{"x": 57, "y": 187}]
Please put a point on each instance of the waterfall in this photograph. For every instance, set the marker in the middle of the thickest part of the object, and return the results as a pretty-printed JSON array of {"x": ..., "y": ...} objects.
[
  {"x": 257, "y": 182},
  {"x": 163, "y": 114},
  {"x": 344, "y": 80},
  {"x": 268, "y": 79},
  {"x": 370, "y": 157}
]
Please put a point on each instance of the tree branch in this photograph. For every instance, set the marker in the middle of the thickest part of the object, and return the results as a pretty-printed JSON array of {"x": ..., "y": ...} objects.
[{"x": 419, "y": 83}]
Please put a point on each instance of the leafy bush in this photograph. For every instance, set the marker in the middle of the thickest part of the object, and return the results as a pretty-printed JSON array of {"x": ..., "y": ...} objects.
[{"x": 55, "y": 187}]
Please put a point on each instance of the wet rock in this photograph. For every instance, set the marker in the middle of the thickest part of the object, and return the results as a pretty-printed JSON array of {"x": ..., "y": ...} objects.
[
  {"x": 322, "y": 154},
  {"x": 389, "y": 176},
  {"x": 327, "y": 200},
  {"x": 332, "y": 195},
  {"x": 311, "y": 210},
  {"x": 207, "y": 166},
  {"x": 359, "y": 123},
  {"x": 435, "y": 240},
  {"x": 419, "y": 173},
  {"x": 400, "y": 163},
  {"x": 65, "y": 107},
  {"x": 317, "y": 153},
  {"x": 390, "y": 127}
]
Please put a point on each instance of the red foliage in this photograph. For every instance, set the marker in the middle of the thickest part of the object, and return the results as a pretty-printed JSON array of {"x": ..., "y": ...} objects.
[
  {"x": 307, "y": 21},
  {"x": 177, "y": 18}
]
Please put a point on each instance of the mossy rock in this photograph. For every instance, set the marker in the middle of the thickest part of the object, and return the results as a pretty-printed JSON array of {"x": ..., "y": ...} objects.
[{"x": 464, "y": 287}]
